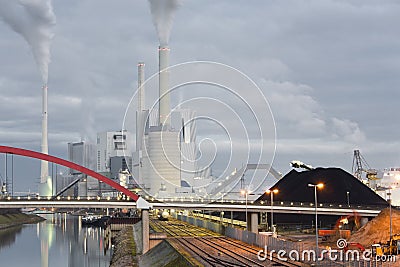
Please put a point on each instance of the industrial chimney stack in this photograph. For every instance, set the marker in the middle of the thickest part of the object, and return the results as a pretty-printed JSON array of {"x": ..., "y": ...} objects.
[
  {"x": 45, "y": 183},
  {"x": 141, "y": 94},
  {"x": 164, "y": 95},
  {"x": 142, "y": 113}
]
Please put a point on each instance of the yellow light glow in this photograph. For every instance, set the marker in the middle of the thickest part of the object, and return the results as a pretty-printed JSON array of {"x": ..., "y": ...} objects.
[
  {"x": 275, "y": 191},
  {"x": 320, "y": 185}
]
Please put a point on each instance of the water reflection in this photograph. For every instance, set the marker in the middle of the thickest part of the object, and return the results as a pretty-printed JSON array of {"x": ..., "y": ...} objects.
[
  {"x": 59, "y": 241},
  {"x": 8, "y": 236}
]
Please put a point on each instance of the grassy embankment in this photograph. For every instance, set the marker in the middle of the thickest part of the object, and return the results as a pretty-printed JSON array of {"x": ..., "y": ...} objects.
[{"x": 13, "y": 219}]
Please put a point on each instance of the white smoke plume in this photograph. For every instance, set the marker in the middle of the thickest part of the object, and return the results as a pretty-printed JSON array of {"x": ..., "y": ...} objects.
[
  {"x": 35, "y": 21},
  {"x": 163, "y": 12}
]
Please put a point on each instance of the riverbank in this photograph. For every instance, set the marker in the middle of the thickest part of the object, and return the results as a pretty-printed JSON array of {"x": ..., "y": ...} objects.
[
  {"x": 124, "y": 253},
  {"x": 15, "y": 219}
]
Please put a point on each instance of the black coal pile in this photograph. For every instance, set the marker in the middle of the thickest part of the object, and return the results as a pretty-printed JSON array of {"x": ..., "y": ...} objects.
[{"x": 340, "y": 187}]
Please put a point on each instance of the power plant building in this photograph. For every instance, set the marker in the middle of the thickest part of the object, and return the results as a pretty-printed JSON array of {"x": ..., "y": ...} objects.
[
  {"x": 112, "y": 144},
  {"x": 166, "y": 164},
  {"x": 81, "y": 153},
  {"x": 165, "y": 156}
]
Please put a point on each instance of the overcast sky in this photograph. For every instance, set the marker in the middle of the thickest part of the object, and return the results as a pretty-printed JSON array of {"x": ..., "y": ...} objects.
[{"x": 329, "y": 70}]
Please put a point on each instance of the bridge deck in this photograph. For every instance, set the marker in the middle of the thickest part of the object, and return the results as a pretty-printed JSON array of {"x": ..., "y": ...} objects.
[{"x": 293, "y": 208}]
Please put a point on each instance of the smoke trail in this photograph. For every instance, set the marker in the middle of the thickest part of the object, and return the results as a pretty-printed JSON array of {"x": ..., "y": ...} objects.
[
  {"x": 163, "y": 12},
  {"x": 34, "y": 20}
]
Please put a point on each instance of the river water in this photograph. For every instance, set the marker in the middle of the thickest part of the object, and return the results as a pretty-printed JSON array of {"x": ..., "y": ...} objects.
[{"x": 57, "y": 242}]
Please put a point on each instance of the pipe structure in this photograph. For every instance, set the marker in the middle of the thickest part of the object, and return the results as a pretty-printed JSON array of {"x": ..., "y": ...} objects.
[{"x": 163, "y": 80}]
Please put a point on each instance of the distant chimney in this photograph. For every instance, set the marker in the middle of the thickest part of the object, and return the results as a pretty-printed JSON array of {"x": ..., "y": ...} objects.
[
  {"x": 141, "y": 93},
  {"x": 141, "y": 114}
]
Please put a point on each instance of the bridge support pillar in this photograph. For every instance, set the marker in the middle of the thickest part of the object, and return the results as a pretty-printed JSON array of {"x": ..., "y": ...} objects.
[
  {"x": 252, "y": 222},
  {"x": 145, "y": 206},
  {"x": 145, "y": 230}
]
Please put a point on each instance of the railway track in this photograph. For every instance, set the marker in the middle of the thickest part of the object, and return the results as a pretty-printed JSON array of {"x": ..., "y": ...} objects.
[
  {"x": 211, "y": 249},
  {"x": 175, "y": 228}
]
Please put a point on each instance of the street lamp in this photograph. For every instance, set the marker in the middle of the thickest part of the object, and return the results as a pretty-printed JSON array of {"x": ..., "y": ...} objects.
[
  {"x": 245, "y": 193},
  {"x": 390, "y": 213},
  {"x": 272, "y": 192},
  {"x": 348, "y": 198},
  {"x": 320, "y": 186}
]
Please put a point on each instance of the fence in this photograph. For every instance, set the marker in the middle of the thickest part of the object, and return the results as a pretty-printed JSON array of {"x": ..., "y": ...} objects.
[
  {"x": 215, "y": 227},
  {"x": 118, "y": 223}
]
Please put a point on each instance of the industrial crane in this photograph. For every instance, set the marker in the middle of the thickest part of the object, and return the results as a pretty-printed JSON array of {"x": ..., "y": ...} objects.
[{"x": 360, "y": 165}]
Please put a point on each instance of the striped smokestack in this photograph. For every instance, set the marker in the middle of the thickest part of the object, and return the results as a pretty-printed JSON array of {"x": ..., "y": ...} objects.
[{"x": 163, "y": 80}]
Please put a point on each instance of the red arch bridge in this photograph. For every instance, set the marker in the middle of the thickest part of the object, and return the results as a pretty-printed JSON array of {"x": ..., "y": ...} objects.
[
  {"x": 130, "y": 198},
  {"x": 134, "y": 201}
]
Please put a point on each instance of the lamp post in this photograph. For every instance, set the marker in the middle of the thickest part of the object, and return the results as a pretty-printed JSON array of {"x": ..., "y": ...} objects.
[
  {"x": 320, "y": 185},
  {"x": 390, "y": 214},
  {"x": 348, "y": 198},
  {"x": 272, "y": 192},
  {"x": 245, "y": 193}
]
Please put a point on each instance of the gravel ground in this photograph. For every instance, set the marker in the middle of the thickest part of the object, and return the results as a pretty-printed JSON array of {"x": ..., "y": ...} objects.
[
  {"x": 124, "y": 254},
  {"x": 377, "y": 230}
]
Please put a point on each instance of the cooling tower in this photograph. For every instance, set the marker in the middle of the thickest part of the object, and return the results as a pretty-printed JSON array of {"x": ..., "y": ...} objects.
[{"x": 164, "y": 154}]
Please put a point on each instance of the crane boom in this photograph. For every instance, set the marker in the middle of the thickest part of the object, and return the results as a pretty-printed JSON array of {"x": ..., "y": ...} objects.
[{"x": 360, "y": 165}]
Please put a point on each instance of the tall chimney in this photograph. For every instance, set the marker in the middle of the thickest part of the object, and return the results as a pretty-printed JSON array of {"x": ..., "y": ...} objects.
[
  {"x": 44, "y": 168},
  {"x": 163, "y": 80},
  {"x": 141, "y": 94},
  {"x": 140, "y": 114}
]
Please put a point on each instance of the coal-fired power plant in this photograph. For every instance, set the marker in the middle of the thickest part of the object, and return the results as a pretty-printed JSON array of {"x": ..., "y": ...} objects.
[
  {"x": 165, "y": 158},
  {"x": 157, "y": 146},
  {"x": 165, "y": 144}
]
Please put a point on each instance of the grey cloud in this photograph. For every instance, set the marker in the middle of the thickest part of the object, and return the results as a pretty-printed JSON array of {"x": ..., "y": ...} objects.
[{"x": 328, "y": 68}]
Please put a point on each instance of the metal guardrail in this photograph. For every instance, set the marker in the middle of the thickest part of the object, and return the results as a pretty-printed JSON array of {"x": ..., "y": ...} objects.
[
  {"x": 62, "y": 198},
  {"x": 202, "y": 202},
  {"x": 276, "y": 204},
  {"x": 123, "y": 220}
]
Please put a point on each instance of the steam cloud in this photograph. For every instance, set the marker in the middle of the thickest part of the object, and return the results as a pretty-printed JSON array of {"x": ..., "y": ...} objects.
[
  {"x": 34, "y": 20},
  {"x": 163, "y": 12}
]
